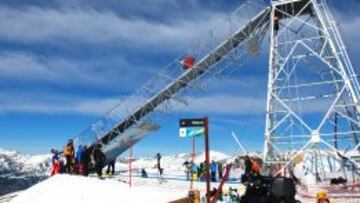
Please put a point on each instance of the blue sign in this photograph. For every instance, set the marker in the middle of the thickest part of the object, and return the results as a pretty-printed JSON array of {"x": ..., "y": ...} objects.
[{"x": 191, "y": 131}]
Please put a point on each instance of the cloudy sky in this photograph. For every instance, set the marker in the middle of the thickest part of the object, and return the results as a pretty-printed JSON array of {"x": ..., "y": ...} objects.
[{"x": 64, "y": 63}]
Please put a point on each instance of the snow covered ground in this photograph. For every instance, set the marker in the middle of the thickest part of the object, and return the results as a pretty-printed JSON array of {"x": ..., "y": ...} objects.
[
  {"x": 66, "y": 188},
  {"x": 71, "y": 188}
]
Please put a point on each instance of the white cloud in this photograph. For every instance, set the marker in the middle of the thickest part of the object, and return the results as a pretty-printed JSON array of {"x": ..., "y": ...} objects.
[
  {"x": 55, "y": 104},
  {"x": 101, "y": 72},
  {"x": 37, "y": 25},
  {"x": 247, "y": 105},
  {"x": 226, "y": 104}
]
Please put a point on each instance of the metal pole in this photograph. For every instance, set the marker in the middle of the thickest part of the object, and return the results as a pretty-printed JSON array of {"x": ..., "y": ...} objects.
[
  {"x": 192, "y": 163},
  {"x": 130, "y": 171},
  {"x": 207, "y": 157}
]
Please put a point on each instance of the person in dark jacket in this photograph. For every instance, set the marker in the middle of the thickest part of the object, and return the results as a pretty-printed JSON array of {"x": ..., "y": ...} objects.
[
  {"x": 248, "y": 164},
  {"x": 144, "y": 173},
  {"x": 158, "y": 163},
  {"x": 99, "y": 158},
  {"x": 248, "y": 169},
  {"x": 220, "y": 170},
  {"x": 111, "y": 167},
  {"x": 85, "y": 160},
  {"x": 199, "y": 172}
]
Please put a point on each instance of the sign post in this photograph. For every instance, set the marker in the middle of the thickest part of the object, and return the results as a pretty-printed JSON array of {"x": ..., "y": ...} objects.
[
  {"x": 192, "y": 163},
  {"x": 207, "y": 159},
  {"x": 130, "y": 167},
  {"x": 194, "y": 128}
]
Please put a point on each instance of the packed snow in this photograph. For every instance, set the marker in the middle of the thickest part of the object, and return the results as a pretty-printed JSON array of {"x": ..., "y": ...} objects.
[
  {"x": 67, "y": 188},
  {"x": 15, "y": 167}
]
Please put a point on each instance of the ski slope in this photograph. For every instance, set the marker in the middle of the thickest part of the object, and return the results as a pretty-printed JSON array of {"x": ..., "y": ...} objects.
[{"x": 67, "y": 188}]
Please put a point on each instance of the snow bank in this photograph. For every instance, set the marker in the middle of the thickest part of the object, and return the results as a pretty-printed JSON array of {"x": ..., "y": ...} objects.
[{"x": 67, "y": 188}]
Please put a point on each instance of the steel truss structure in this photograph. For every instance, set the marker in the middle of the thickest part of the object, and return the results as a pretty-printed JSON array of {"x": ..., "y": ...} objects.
[
  {"x": 313, "y": 92},
  {"x": 138, "y": 114}
]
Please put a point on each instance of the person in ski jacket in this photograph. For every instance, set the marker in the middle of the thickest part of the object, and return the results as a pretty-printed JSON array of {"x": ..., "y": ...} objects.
[
  {"x": 158, "y": 163},
  {"x": 78, "y": 159},
  {"x": 99, "y": 158},
  {"x": 111, "y": 167},
  {"x": 187, "y": 165},
  {"x": 255, "y": 167},
  {"x": 220, "y": 170},
  {"x": 213, "y": 170},
  {"x": 194, "y": 169},
  {"x": 69, "y": 156},
  {"x": 56, "y": 167},
  {"x": 203, "y": 171},
  {"x": 144, "y": 173},
  {"x": 85, "y": 160},
  {"x": 248, "y": 164},
  {"x": 79, "y": 153},
  {"x": 247, "y": 176}
]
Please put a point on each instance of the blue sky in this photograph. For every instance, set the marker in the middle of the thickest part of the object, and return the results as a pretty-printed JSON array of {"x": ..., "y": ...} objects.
[{"x": 64, "y": 63}]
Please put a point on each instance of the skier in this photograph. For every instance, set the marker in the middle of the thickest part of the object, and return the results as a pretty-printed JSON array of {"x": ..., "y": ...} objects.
[
  {"x": 203, "y": 171},
  {"x": 158, "y": 163},
  {"x": 56, "y": 167},
  {"x": 144, "y": 173},
  {"x": 78, "y": 159},
  {"x": 220, "y": 170},
  {"x": 187, "y": 165},
  {"x": 194, "y": 169},
  {"x": 248, "y": 168},
  {"x": 112, "y": 166},
  {"x": 255, "y": 167},
  {"x": 199, "y": 171},
  {"x": 85, "y": 159},
  {"x": 99, "y": 158},
  {"x": 213, "y": 169},
  {"x": 69, "y": 155},
  {"x": 248, "y": 164}
]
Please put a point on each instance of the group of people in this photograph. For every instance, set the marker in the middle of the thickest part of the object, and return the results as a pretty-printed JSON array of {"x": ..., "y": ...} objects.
[
  {"x": 80, "y": 162},
  {"x": 198, "y": 172},
  {"x": 252, "y": 169},
  {"x": 74, "y": 163}
]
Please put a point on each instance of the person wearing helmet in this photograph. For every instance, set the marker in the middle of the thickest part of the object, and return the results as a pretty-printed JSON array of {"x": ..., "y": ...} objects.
[{"x": 56, "y": 168}]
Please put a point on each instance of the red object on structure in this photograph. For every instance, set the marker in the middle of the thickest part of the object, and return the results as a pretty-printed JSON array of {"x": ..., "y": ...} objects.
[{"x": 188, "y": 62}]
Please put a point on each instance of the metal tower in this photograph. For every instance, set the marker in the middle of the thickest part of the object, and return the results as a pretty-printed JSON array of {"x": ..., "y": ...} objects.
[{"x": 313, "y": 95}]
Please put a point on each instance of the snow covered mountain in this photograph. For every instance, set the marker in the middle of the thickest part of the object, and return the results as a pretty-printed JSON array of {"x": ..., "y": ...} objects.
[{"x": 18, "y": 171}]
